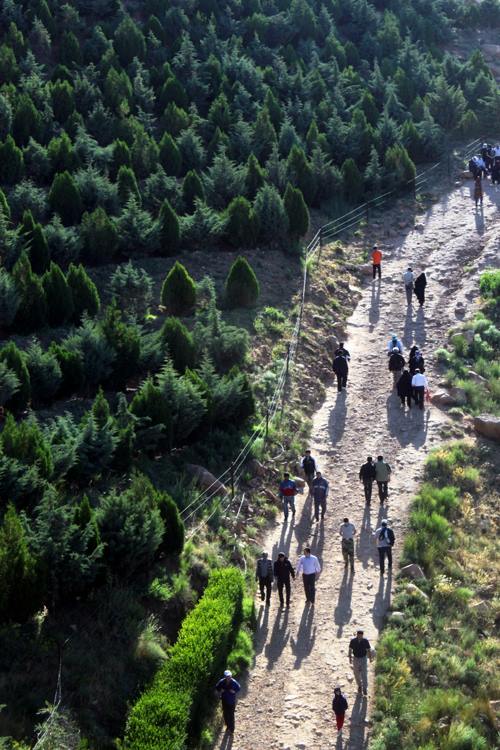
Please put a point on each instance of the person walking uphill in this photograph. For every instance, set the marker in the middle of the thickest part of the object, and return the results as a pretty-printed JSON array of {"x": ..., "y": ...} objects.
[
  {"x": 359, "y": 651},
  {"x": 341, "y": 369},
  {"x": 287, "y": 492},
  {"x": 309, "y": 566},
  {"x": 319, "y": 493},
  {"x": 408, "y": 279},
  {"x": 419, "y": 287},
  {"x": 385, "y": 542},
  {"x": 404, "y": 388},
  {"x": 420, "y": 385},
  {"x": 347, "y": 531},
  {"x": 396, "y": 365},
  {"x": 308, "y": 465},
  {"x": 376, "y": 262},
  {"x": 382, "y": 476},
  {"x": 283, "y": 570},
  {"x": 264, "y": 575},
  {"x": 367, "y": 475},
  {"x": 339, "y": 707},
  {"x": 227, "y": 687}
]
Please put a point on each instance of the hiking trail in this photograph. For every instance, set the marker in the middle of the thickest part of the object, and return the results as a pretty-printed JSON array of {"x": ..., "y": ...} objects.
[{"x": 301, "y": 653}]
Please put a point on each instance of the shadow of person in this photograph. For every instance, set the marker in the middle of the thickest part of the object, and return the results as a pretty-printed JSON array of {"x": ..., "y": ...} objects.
[
  {"x": 339, "y": 745},
  {"x": 343, "y": 611},
  {"x": 479, "y": 219},
  {"x": 396, "y": 421},
  {"x": 227, "y": 741},
  {"x": 318, "y": 539},
  {"x": 374, "y": 312},
  {"x": 280, "y": 636},
  {"x": 357, "y": 739},
  {"x": 336, "y": 422},
  {"x": 420, "y": 418},
  {"x": 364, "y": 551},
  {"x": 262, "y": 628},
  {"x": 285, "y": 538},
  {"x": 408, "y": 327},
  {"x": 306, "y": 635},
  {"x": 419, "y": 330},
  {"x": 382, "y": 600}
]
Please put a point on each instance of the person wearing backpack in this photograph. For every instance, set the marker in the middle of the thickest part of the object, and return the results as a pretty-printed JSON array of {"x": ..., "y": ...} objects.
[
  {"x": 396, "y": 365},
  {"x": 416, "y": 360},
  {"x": 308, "y": 465},
  {"x": 385, "y": 539}
]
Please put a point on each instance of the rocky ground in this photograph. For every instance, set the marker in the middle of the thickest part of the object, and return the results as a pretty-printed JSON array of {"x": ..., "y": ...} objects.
[{"x": 301, "y": 653}]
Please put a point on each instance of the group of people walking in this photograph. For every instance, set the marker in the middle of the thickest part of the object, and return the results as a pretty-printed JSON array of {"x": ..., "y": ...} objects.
[
  {"x": 411, "y": 383},
  {"x": 487, "y": 162}
]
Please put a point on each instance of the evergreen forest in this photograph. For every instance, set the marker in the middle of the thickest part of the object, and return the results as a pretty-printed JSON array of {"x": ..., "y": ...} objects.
[{"x": 134, "y": 136}]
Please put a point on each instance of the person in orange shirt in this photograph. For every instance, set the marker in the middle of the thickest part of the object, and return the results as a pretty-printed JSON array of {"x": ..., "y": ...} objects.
[{"x": 376, "y": 260}]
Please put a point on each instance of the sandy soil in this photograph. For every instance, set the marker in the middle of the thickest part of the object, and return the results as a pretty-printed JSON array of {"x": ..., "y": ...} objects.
[{"x": 301, "y": 653}]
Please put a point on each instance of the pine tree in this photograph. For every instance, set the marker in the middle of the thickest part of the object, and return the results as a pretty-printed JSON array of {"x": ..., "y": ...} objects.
[
  {"x": 32, "y": 312},
  {"x": 173, "y": 536},
  {"x": 84, "y": 293},
  {"x": 63, "y": 100},
  {"x": 121, "y": 158},
  {"x": 169, "y": 230},
  {"x": 69, "y": 50},
  {"x": 373, "y": 174},
  {"x": 129, "y": 42},
  {"x": 26, "y": 122},
  {"x": 100, "y": 409},
  {"x": 170, "y": 156},
  {"x": 353, "y": 181},
  {"x": 127, "y": 185},
  {"x": 301, "y": 174},
  {"x": 242, "y": 228},
  {"x": 179, "y": 343},
  {"x": 45, "y": 373},
  {"x": 255, "y": 177},
  {"x": 58, "y": 296},
  {"x": 173, "y": 92},
  {"x": 99, "y": 236},
  {"x": 11, "y": 162},
  {"x": 273, "y": 107},
  {"x": 9, "y": 299},
  {"x": 65, "y": 199},
  {"x": 192, "y": 188},
  {"x": 264, "y": 135},
  {"x": 25, "y": 442},
  {"x": 15, "y": 360},
  {"x": 71, "y": 364},
  {"x": 124, "y": 340},
  {"x": 85, "y": 518},
  {"x": 297, "y": 211},
  {"x": 39, "y": 253},
  {"x": 271, "y": 215},
  {"x": 150, "y": 405},
  {"x": 241, "y": 288},
  {"x": 4, "y": 205},
  {"x": 61, "y": 154},
  {"x": 21, "y": 593},
  {"x": 178, "y": 292}
]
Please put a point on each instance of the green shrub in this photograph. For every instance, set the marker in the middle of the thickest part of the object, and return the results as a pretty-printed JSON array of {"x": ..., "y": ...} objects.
[
  {"x": 180, "y": 344},
  {"x": 178, "y": 292},
  {"x": 65, "y": 199},
  {"x": 298, "y": 213},
  {"x": 124, "y": 341},
  {"x": 58, "y": 294},
  {"x": 25, "y": 442},
  {"x": 242, "y": 226},
  {"x": 132, "y": 288},
  {"x": 99, "y": 237},
  {"x": 15, "y": 360},
  {"x": 20, "y": 594},
  {"x": 241, "y": 287},
  {"x": 71, "y": 364},
  {"x": 45, "y": 373},
  {"x": 9, "y": 299},
  {"x": 489, "y": 284},
  {"x": 169, "y": 230},
  {"x": 163, "y": 714},
  {"x": 32, "y": 311},
  {"x": 84, "y": 293},
  {"x": 9, "y": 383}
]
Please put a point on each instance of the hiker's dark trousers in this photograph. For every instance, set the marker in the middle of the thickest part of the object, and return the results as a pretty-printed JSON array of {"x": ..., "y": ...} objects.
[
  {"x": 284, "y": 585},
  {"x": 418, "y": 395},
  {"x": 265, "y": 589},
  {"x": 309, "y": 580},
  {"x": 341, "y": 382},
  {"x": 384, "y": 552},
  {"x": 368, "y": 484},
  {"x": 382, "y": 491},
  {"x": 376, "y": 270},
  {"x": 228, "y": 713}
]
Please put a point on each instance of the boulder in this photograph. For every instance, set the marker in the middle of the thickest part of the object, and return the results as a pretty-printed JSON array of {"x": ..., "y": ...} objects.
[
  {"x": 488, "y": 426},
  {"x": 396, "y": 617},
  {"x": 204, "y": 479},
  {"x": 477, "y": 378},
  {"x": 459, "y": 395},
  {"x": 468, "y": 335},
  {"x": 495, "y": 706},
  {"x": 271, "y": 496},
  {"x": 412, "y": 571},
  {"x": 256, "y": 468},
  {"x": 443, "y": 398},
  {"x": 301, "y": 483},
  {"x": 416, "y": 592}
]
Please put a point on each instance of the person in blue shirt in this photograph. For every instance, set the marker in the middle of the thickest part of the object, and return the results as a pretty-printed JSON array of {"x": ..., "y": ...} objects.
[{"x": 227, "y": 687}]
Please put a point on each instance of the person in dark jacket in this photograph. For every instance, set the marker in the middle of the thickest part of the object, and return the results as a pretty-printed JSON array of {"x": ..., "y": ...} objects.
[
  {"x": 342, "y": 352},
  {"x": 227, "y": 687},
  {"x": 341, "y": 370},
  {"x": 404, "y": 388},
  {"x": 319, "y": 492},
  {"x": 339, "y": 707},
  {"x": 396, "y": 364},
  {"x": 308, "y": 465},
  {"x": 367, "y": 476},
  {"x": 416, "y": 360},
  {"x": 283, "y": 570},
  {"x": 264, "y": 575},
  {"x": 419, "y": 287}
]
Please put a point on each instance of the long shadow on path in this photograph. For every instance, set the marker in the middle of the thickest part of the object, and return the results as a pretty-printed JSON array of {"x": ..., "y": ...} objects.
[
  {"x": 303, "y": 644},
  {"x": 338, "y": 415},
  {"x": 357, "y": 738},
  {"x": 279, "y": 638},
  {"x": 343, "y": 610}
]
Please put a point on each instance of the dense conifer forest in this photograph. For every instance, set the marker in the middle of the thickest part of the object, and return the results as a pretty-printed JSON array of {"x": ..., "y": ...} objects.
[{"x": 145, "y": 130}]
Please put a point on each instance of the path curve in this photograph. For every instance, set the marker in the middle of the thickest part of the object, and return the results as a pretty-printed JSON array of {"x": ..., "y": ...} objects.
[{"x": 301, "y": 653}]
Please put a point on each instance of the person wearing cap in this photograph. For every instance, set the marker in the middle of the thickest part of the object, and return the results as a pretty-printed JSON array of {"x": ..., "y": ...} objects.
[
  {"x": 319, "y": 491},
  {"x": 382, "y": 477},
  {"x": 347, "y": 531},
  {"x": 408, "y": 279},
  {"x": 227, "y": 687},
  {"x": 310, "y": 568},
  {"x": 394, "y": 342},
  {"x": 376, "y": 262},
  {"x": 287, "y": 492},
  {"x": 385, "y": 539},
  {"x": 340, "y": 367},
  {"x": 359, "y": 652},
  {"x": 396, "y": 365},
  {"x": 367, "y": 476},
  {"x": 283, "y": 570},
  {"x": 420, "y": 385},
  {"x": 308, "y": 466},
  {"x": 339, "y": 707},
  {"x": 264, "y": 575}
]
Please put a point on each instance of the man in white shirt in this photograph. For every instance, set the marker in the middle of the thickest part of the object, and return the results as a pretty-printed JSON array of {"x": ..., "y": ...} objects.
[
  {"x": 408, "y": 279},
  {"x": 309, "y": 566},
  {"x": 347, "y": 531},
  {"x": 420, "y": 386}
]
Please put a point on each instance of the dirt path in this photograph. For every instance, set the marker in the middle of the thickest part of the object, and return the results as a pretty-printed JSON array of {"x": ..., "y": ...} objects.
[{"x": 301, "y": 652}]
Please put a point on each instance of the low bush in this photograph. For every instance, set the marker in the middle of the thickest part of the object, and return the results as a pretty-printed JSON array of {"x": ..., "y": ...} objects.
[
  {"x": 241, "y": 288},
  {"x": 178, "y": 292},
  {"x": 171, "y": 709},
  {"x": 132, "y": 288}
]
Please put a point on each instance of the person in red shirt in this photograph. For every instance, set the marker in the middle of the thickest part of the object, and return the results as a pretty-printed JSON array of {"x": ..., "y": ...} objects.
[{"x": 376, "y": 261}]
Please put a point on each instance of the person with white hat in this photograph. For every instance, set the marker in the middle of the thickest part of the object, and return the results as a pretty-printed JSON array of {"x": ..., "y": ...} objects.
[
  {"x": 385, "y": 541},
  {"x": 227, "y": 687}
]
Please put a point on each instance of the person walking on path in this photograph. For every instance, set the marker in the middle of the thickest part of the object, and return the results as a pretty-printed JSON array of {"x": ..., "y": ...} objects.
[
  {"x": 384, "y": 536},
  {"x": 404, "y": 388},
  {"x": 416, "y": 360},
  {"x": 367, "y": 475},
  {"x": 419, "y": 287},
  {"x": 264, "y": 575},
  {"x": 227, "y": 687},
  {"x": 478, "y": 190},
  {"x": 283, "y": 570},
  {"x": 420, "y": 386},
  {"x": 319, "y": 493},
  {"x": 339, "y": 707},
  {"x": 308, "y": 465},
  {"x": 310, "y": 568},
  {"x": 408, "y": 279},
  {"x": 396, "y": 365},
  {"x": 359, "y": 652},
  {"x": 341, "y": 369},
  {"x": 287, "y": 492},
  {"x": 376, "y": 262},
  {"x": 394, "y": 343},
  {"x": 383, "y": 477},
  {"x": 347, "y": 531},
  {"x": 341, "y": 351}
]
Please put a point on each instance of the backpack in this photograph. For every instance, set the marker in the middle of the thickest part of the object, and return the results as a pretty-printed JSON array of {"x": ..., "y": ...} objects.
[
  {"x": 308, "y": 464},
  {"x": 390, "y": 535}
]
